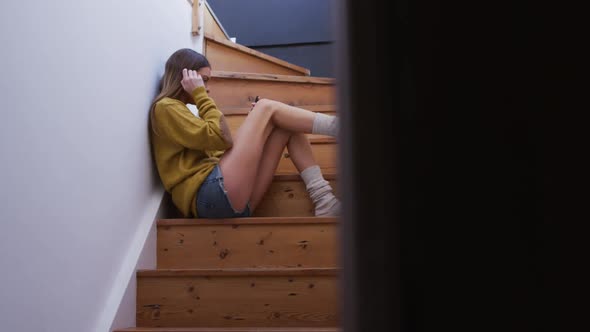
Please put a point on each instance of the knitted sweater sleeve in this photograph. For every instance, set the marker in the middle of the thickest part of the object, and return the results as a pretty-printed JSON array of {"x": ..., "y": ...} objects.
[{"x": 176, "y": 122}]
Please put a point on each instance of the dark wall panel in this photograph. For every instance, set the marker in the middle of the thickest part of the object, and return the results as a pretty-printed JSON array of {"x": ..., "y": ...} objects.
[
  {"x": 274, "y": 22},
  {"x": 316, "y": 57}
]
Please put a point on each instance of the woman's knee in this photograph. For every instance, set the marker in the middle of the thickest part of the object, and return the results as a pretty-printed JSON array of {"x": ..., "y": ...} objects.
[
  {"x": 278, "y": 139},
  {"x": 282, "y": 133},
  {"x": 299, "y": 136},
  {"x": 262, "y": 113},
  {"x": 265, "y": 105}
]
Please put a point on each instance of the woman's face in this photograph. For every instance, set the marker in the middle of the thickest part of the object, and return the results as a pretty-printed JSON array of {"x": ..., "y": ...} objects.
[{"x": 205, "y": 73}]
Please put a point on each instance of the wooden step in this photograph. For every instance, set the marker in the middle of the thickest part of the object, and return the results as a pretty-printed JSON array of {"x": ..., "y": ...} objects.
[
  {"x": 230, "y": 329},
  {"x": 226, "y": 55},
  {"x": 238, "y": 90},
  {"x": 247, "y": 242},
  {"x": 238, "y": 298},
  {"x": 287, "y": 197}
]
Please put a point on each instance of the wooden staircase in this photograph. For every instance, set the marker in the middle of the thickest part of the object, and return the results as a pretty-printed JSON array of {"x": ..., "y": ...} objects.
[{"x": 274, "y": 272}]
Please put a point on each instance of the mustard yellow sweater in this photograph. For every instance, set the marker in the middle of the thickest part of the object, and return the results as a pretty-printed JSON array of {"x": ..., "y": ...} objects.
[{"x": 188, "y": 147}]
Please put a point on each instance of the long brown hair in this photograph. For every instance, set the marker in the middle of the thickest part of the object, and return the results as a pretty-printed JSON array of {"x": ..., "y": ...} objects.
[{"x": 170, "y": 83}]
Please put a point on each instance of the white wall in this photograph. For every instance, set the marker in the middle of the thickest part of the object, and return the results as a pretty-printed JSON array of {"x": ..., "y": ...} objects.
[{"x": 78, "y": 189}]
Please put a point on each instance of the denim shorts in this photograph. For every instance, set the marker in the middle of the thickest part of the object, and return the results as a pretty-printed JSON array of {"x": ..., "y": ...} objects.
[{"x": 212, "y": 200}]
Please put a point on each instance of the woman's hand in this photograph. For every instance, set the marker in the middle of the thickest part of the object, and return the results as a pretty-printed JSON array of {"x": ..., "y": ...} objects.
[
  {"x": 254, "y": 104},
  {"x": 191, "y": 80}
]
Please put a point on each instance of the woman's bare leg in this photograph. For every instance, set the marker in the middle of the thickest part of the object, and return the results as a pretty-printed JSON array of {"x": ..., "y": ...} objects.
[
  {"x": 291, "y": 118},
  {"x": 299, "y": 151},
  {"x": 271, "y": 156},
  {"x": 320, "y": 191},
  {"x": 240, "y": 164}
]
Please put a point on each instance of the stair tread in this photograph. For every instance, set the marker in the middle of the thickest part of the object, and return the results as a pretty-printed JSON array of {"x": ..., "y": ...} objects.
[
  {"x": 229, "y": 329},
  {"x": 253, "y": 52},
  {"x": 258, "y": 271},
  {"x": 271, "y": 77},
  {"x": 247, "y": 221}
]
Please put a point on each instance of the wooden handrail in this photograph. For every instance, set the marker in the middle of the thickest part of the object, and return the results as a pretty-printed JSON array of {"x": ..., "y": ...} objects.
[{"x": 197, "y": 25}]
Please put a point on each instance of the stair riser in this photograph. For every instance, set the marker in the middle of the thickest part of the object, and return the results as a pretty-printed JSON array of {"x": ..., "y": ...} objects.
[
  {"x": 242, "y": 92},
  {"x": 229, "y": 59},
  {"x": 257, "y": 245},
  {"x": 288, "y": 199},
  {"x": 326, "y": 156},
  {"x": 235, "y": 301}
]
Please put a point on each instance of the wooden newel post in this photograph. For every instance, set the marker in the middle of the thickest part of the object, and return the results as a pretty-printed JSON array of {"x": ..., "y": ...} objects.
[{"x": 197, "y": 26}]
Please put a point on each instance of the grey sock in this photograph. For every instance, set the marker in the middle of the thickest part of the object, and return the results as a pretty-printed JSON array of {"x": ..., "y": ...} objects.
[
  {"x": 324, "y": 124},
  {"x": 320, "y": 192},
  {"x": 311, "y": 173}
]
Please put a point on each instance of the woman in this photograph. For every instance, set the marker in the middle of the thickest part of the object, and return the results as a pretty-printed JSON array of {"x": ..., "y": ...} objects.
[{"x": 211, "y": 174}]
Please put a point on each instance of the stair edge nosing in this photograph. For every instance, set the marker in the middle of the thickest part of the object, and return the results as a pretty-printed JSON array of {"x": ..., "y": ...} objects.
[
  {"x": 247, "y": 221},
  {"x": 235, "y": 75},
  {"x": 227, "y": 272}
]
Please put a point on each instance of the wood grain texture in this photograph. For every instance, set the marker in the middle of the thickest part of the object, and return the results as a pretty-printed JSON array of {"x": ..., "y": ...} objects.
[
  {"x": 196, "y": 25},
  {"x": 240, "y": 93},
  {"x": 287, "y": 197},
  {"x": 165, "y": 223},
  {"x": 272, "y": 77},
  {"x": 280, "y": 242},
  {"x": 236, "y": 300},
  {"x": 324, "y": 148},
  {"x": 226, "y": 55},
  {"x": 238, "y": 272},
  {"x": 325, "y": 155}
]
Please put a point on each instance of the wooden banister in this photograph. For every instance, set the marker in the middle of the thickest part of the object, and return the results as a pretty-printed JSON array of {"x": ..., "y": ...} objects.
[{"x": 197, "y": 25}]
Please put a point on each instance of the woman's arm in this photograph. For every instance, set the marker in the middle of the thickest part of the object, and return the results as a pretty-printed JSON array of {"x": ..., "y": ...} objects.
[
  {"x": 208, "y": 111},
  {"x": 191, "y": 82},
  {"x": 177, "y": 123},
  {"x": 225, "y": 131}
]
